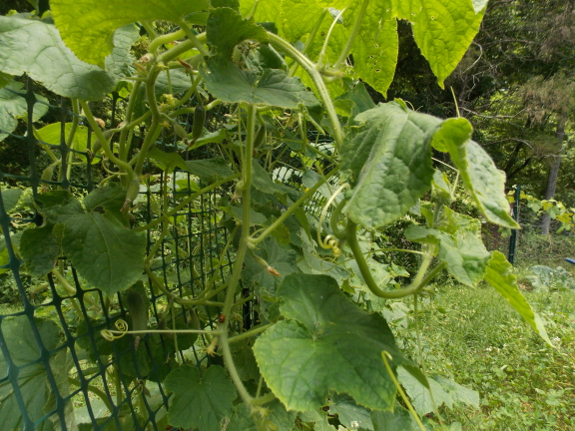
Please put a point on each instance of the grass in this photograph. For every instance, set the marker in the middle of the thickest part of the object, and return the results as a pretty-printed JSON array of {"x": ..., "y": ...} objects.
[{"x": 474, "y": 337}]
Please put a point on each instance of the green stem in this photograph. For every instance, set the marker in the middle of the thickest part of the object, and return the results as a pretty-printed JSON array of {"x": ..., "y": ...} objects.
[
  {"x": 150, "y": 29},
  {"x": 240, "y": 256},
  {"x": 119, "y": 392},
  {"x": 264, "y": 399},
  {"x": 94, "y": 390},
  {"x": 154, "y": 129},
  {"x": 176, "y": 51},
  {"x": 334, "y": 219},
  {"x": 166, "y": 38},
  {"x": 123, "y": 148},
  {"x": 352, "y": 36},
  {"x": 384, "y": 356},
  {"x": 250, "y": 333},
  {"x": 326, "y": 41},
  {"x": 105, "y": 143},
  {"x": 419, "y": 282},
  {"x": 255, "y": 241},
  {"x": 192, "y": 37},
  {"x": 310, "y": 39},
  {"x": 310, "y": 68},
  {"x": 72, "y": 133}
]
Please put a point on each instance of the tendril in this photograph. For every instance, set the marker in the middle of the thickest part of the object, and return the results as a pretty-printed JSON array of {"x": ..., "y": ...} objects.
[
  {"x": 110, "y": 334},
  {"x": 330, "y": 241}
]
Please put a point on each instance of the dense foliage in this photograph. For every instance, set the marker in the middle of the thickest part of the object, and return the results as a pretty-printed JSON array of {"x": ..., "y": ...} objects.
[{"x": 283, "y": 71}]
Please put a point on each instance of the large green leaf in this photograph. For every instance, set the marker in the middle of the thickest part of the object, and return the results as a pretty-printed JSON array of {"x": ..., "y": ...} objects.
[
  {"x": 13, "y": 106},
  {"x": 233, "y": 84},
  {"x": 388, "y": 159},
  {"x": 39, "y": 249},
  {"x": 442, "y": 29},
  {"x": 484, "y": 181},
  {"x": 376, "y": 46},
  {"x": 463, "y": 251},
  {"x": 444, "y": 391},
  {"x": 500, "y": 275},
  {"x": 50, "y": 134},
  {"x": 399, "y": 419},
  {"x": 5, "y": 79},
  {"x": 480, "y": 176},
  {"x": 200, "y": 402},
  {"x": 109, "y": 256},
  {"x": 325, "y": 344},
  {"x": 87, "y": 27},
  {"x": 32, "y": 380},
  {"x": 36, "y": 48}
]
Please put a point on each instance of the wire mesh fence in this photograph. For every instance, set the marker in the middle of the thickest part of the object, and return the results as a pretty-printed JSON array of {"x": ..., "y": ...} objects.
[
  {"x": 58, "y": 366},
  {"x": 53, "y": 356}
]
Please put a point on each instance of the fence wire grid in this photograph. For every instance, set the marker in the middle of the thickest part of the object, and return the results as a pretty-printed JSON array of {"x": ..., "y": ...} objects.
[{"x": 107, "y": 385}]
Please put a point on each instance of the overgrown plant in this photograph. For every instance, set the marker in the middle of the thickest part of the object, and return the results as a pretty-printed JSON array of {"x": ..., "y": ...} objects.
[{"x": 313, "y": 340}]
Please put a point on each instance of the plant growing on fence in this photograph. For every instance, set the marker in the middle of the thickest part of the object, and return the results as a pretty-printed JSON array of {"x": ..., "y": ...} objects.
[{"x": 313, "y": 339}]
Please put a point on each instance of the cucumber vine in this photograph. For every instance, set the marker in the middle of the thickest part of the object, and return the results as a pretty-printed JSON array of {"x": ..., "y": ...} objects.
[{"x": 309, "y": 340}]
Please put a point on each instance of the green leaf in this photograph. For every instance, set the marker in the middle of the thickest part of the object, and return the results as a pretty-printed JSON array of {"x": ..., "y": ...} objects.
[
  {"x": 50, "y": 134},
  {"x": 273, "y": 87},
  {"x": 32, "y": 380},
  {"x": 209, "y": 170},
  {"x": 399, "y": 419},
  {"x": 348, "y": 411},
  {"x": 443, "y": 30},
  {"x": 5, "y": 79},
  {"x": 283, "y": 260},
  {"x": 500, "y": 275},
  {"x": 480, "y": 176},
  {"x": 36, "y": 48},
  {"x": 39, "y": 249},
  {"x": 110, "y": 197},
  {"x": 10, "y": 197},
  {"x": 459, "y": 393},
  {"x": 326, "y": 343},
  {"x": 13, "y": 106},
  {"x": 452, "y": 137},
  {"x": 262, "y": 181},
  {"x": 57, "y": 206},
  {"x": 167, "y": 161},
  {"x": 88, "y": 27},
  {"x": 109, "y": 256},
  {"x": 388, "y": 158},
  {"x": 376, "y": 46},
  {"x": 200, "y": 402},
  {"x": 485, "y": 183},
  {"x": 359, "y": 97},
  {"x": 463, "y": 251},
  {"x": 226, "y": 81},
  {"x": 444, "y": 391}
]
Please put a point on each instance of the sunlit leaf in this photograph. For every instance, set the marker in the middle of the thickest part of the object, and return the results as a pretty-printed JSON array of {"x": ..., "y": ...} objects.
[{"x": 325, "y": 344}]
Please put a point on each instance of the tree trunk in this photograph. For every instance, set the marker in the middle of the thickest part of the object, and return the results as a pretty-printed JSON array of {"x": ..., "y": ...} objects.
[{"x": 553, "y": 173}]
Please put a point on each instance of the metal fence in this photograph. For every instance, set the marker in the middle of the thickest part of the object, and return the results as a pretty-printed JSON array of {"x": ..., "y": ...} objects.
[{"x": 103, "y": 385}]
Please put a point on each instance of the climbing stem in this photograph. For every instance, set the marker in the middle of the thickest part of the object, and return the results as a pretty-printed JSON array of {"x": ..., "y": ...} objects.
[
  {"x": 192, "y": 37},
  {"x": 125, "y": 167},
  {"x": 310, "y": 68},
  {"x": 309, "y": 193},
  {"x": 240, "y": 256},
  {"x": 419, "y": 282},
  {"x": 346, "y": 50}
]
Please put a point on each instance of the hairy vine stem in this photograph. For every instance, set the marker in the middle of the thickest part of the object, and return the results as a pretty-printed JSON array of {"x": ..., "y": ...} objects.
[
  {"x": 125, "y": 167},
  {"x": 253, "y": 242},
  {"x": 315, "y": 75},
  {"x": 419, "y": 282},
  {"x": 240, "y": 256}
]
